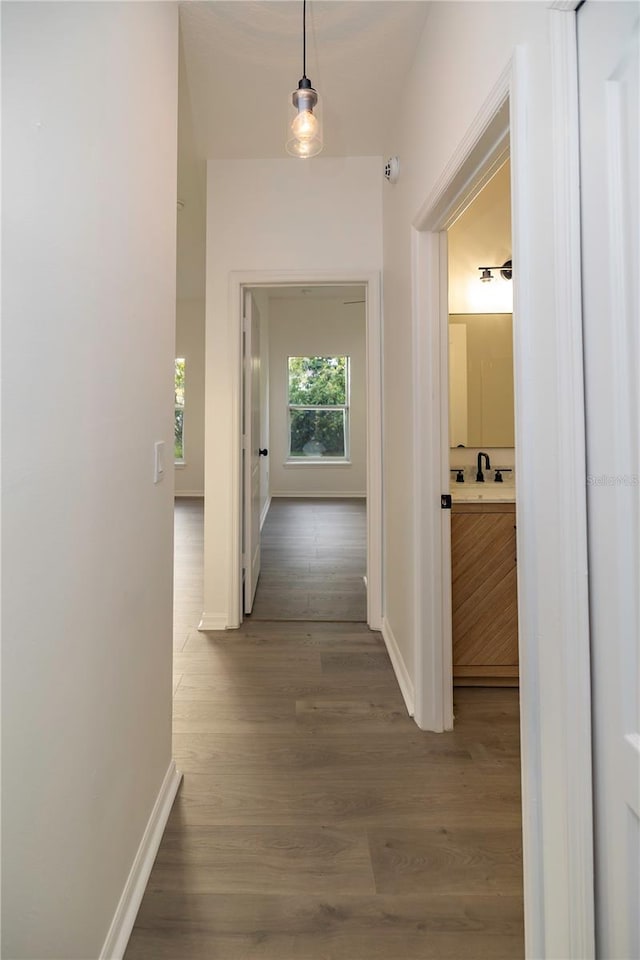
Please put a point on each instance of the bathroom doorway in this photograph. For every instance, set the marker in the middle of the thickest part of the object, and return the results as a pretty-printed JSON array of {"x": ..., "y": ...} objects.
[{"x": 481, "y": 427}]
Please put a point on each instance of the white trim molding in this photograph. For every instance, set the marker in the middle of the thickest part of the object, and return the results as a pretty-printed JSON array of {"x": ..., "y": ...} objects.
[
  {"x": 212, "y": 621},
  {"x": 124, "y": 918},
  {"x": 564, "y": 6},
  {"x": 433, "y": 670},
  {"x": 238, "y": 282},
  {"x": 571, "y": 466},
  {"x": 308, "y": 462},
  {"x": 265, "y": 511},
  {"x": 399, "y": 667},
  {"x": 320, "y": 495},
  {"x": 631, "y": 771}
]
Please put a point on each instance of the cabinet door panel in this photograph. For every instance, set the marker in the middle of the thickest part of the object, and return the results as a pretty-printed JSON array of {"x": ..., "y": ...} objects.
[{"x": 484, "y": 591}]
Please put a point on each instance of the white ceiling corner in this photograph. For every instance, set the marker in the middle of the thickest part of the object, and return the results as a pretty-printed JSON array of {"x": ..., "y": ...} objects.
[{"x": 243, "y": 58}]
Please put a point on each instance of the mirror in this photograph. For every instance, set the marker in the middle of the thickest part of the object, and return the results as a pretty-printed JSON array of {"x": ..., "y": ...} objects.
[{"x": 481, "y": 380}]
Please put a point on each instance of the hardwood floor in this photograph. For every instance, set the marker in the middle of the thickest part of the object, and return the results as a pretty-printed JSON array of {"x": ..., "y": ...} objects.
[
  {"x": 315, "y": 821},
  {"x": 188, "y": 568},
  {"x": 314, "y": 558}
]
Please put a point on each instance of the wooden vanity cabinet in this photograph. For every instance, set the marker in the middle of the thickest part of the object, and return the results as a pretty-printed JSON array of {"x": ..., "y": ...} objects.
[{"x": 484, "y": 594}]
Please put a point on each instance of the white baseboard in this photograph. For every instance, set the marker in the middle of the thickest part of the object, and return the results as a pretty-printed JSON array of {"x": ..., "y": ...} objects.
[
  {"x": 320, "y": 494},
  {"x": 213, "y": 621},
  {"x": 265, "y": 511},
  {"x": 188, "y": 493},
  {"x": 399, "y": 667},
  {"x": 127, "y": 909}
]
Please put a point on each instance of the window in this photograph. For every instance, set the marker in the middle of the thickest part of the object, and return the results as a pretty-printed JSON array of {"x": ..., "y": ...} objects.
[
  {"x": 178, "y": 422},
  {"x": 318, "y": 405}
]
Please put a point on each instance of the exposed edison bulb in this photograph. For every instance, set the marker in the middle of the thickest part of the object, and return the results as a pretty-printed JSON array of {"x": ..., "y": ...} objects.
[
  {"x": 304, "y": 126},
  {"x": 304, "y": 148}
]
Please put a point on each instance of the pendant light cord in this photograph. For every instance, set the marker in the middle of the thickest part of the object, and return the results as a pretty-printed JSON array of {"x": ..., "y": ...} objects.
[{"x": 304, "y": 38}]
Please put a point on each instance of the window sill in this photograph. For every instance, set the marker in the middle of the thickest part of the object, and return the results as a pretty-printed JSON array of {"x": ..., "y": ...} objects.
[
  {"x": 179, "y": 464},
  {"x": 311, "y": 462}
]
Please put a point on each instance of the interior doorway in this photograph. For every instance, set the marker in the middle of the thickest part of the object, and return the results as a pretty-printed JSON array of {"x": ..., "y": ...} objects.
[
  {"x": 472, "y": 168},
  {"x": 303, "y": 437},
  {"x": 481, "y": 439},
  {"x": 306, "y": 440}
]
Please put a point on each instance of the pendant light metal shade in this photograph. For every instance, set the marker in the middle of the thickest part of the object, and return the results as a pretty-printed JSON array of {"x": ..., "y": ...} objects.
[{"x": 305, "y": 139}]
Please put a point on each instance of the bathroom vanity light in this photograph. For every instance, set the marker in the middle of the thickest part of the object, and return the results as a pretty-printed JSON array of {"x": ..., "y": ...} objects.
[
  {"x": 506, "y": 272},
  {"x": 306, "y": 135}
]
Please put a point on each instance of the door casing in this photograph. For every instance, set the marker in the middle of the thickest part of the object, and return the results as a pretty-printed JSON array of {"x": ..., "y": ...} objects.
[
  {"x": 609, "y": 58},
  {"x": 250, "y": 455}
]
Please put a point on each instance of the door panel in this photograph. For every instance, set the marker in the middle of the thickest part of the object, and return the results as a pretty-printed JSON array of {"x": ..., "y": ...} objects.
[
  {"x": 251, "y": 448},
  {"x": 609, "y": 131},
  {"x": 485, "y": 610}
]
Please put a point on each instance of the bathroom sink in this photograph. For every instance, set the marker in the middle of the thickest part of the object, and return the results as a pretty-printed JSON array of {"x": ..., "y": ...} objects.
[{"x": 488, "y": 492}]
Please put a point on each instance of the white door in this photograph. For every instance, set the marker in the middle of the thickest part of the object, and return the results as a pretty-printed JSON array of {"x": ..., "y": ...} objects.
[
  {"x": 608, "y": 91},
  {"x": 251, "y": 450}
]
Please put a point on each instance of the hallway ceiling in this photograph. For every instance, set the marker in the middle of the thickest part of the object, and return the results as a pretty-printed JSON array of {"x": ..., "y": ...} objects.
[{"x": 244, "y": 58}]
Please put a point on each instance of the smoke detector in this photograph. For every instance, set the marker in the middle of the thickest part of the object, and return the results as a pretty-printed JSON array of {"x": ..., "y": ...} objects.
[{"x": 392, "y": 169}]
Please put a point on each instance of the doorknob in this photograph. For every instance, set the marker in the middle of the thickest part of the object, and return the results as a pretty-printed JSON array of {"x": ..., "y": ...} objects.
[{"x": 263, "y": 453}]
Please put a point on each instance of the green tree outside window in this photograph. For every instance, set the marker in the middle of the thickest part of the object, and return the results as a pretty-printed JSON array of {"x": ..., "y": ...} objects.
[
  {"x": 178, "y": 423},
  {"x": 318, "y": 407}
]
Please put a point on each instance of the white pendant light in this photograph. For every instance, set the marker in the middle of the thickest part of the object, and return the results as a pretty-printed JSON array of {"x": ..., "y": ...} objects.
[{"x": 305, "y": 130}]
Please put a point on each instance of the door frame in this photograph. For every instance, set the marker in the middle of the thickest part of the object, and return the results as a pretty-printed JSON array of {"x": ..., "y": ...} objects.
[
  {"x": 483, "y": 151},
  {"x": 251, "y": 525},
  {"x": 239, "y": 281},
  {"x": 556, "y": 766}
]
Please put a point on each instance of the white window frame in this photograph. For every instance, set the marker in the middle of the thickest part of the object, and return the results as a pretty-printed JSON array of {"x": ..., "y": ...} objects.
[
  {"x": 345, "y": 407},
  {"x": 180, "y": 406}
]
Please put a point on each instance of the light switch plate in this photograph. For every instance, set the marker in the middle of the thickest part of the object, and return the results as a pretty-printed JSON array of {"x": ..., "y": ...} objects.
[{"x": 158, "y": 461}]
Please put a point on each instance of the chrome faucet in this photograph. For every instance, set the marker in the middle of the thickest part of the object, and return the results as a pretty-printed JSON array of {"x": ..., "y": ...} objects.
[{"x": 487, "y": 463}]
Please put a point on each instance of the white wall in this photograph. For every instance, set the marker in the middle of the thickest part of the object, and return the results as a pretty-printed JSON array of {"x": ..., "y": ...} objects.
[
  {"x": 306, "y": 327},
  {"x": 464, "y": 50},
  {"x": 190, "y": 338},
  {"x": 89, "y": 208},
  {"x": 271, "y": 215}
]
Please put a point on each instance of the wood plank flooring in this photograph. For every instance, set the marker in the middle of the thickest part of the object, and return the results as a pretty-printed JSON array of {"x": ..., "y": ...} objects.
[
  {"x": 314, "y": 558},
  {"x": 315, "y": 821}
]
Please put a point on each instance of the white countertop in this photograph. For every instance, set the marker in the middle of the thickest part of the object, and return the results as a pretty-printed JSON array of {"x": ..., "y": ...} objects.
[{"x": 487, "y": 492}]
